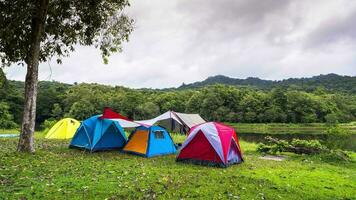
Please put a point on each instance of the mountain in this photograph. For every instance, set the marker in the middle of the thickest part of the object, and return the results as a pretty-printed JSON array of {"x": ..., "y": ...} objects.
[{"x": 332, "y": 82}]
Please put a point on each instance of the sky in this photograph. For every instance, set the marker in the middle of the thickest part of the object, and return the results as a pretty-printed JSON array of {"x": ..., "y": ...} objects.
[{"x": 180, "y": 41}]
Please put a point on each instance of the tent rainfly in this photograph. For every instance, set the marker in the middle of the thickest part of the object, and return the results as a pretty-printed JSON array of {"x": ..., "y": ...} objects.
[
  {"x": 95, "y": 134},
  {"x": 174, "y": 121},
  {"x": 150, "y": 141},
  {"x": 211, "y": 143},
  {"x": 63, "y": 129},
  {"x": 124, "y": 122}
]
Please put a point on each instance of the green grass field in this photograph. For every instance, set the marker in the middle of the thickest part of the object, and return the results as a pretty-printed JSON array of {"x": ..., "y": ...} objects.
[
  {"x": 283, "y": 128},
  {"x": 56, "y": 172},
  {"x": 272, "y": 128}
]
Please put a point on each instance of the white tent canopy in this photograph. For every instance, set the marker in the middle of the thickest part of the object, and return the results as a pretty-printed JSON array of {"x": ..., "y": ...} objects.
[
  {"x": 185, "y": 121},
  {"x": 164, "y": 116},
  {"x": 190, "y": 120},
  {"x": 180, "y": 122},
  {"x": 126, "y": 123}
]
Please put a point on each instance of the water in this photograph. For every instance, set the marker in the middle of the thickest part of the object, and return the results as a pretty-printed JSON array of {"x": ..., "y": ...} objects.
[
  {"x": 8, "y": 135},
  {"x": 345, "y": 142}
]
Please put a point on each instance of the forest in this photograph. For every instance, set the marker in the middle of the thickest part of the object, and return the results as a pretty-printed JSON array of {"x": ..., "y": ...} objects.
[
  {"x": 216, "y": 102},
  {"x": 331, "y": 82}
]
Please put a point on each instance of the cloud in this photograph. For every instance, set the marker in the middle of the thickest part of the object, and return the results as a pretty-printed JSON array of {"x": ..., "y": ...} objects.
[
  {"x": 180, "y": 41},
  {"x": 339, "y": 28}
]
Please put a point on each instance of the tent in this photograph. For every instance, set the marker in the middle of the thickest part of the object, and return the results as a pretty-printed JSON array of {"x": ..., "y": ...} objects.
[
  {"x": 63, "y": 129},
  {"x": 174, "y": 121},
  {"x": 190, "y": 120},
  {"x": 211, "y": 143},
  {"x": 124, "y": 122},
  {"x": 96, "y": 134},
  {"x": 150, "y": 141},
  {"x": 108, "y": 113}
]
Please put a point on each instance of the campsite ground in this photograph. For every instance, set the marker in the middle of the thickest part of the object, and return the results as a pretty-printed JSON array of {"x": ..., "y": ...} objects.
[{"x": 56, "y": 172}]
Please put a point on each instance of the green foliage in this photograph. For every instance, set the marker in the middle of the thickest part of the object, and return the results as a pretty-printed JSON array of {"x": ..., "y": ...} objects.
[
  {"x": 214, "y": 103},
  {"x": 47, "y": 124},
  {"x": 336, "y": 155},
  {"x": 2, "y": 80},
  {"x": 318, "y": 84},
  {"x": 6, "y": 118},
  {"x": 332, "y": 118},
  {"x": 68, "y": 23},
  {"x": 82, "y": 110},
  {"x": 57, "y": 111},
  {"x": 147, "y": 110},
  {"x": 337, "y": 136},
  {"x": 273, "y": 146},
  {"x": 311, "y": 144},
  {"x": 50, "y": 99},
  {"x": 337, "y": 130}
]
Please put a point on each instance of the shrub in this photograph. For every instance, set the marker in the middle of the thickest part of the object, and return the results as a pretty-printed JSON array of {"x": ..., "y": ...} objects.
[
  {"x": 337, "y": 137},
  {"x": 273, "y": 146},
  {"x": 336, "y": 155},
  {"x": 337, "y": 130},
  {"x": 308, "y": 146},
  {"x": 47, "y": 124},
  {"x": 6, "y": 118}
]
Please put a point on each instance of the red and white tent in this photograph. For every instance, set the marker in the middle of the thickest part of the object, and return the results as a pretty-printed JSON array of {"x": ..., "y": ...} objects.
[
  {"x": 211, "y": 143},
  {"x": 125, "y": 122}
]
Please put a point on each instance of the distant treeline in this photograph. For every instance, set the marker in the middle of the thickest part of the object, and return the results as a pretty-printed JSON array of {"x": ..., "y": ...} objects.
[
  {"x": 331, "y": 82},
  {"x": 213, "y": 103}
]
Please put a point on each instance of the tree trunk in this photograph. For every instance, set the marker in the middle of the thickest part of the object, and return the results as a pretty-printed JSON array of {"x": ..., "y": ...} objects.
[{"x": 29, "y": 115}]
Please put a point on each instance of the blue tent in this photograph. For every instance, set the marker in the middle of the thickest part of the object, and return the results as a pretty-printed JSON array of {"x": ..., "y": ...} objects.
[
  {"x": 150, "y": 141},
  {"x": 95, "y": 134}
]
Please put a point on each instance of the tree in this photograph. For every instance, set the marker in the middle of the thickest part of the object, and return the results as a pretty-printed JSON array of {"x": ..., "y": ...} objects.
[
  {"x": 194, "y": 103},
  {"x": 170, "y": 101},
  {"x": 2, "y": 79},
  {"x": 36, "y": 31},
  {"x": 6, "y": 119},
  {"x": 49, "y": 95},
  {"x": 147, "y": 110},
  {"x": 3, "y": 85},
  {"x": 13, "y": 96},
  {"x": 57, "y": 111},
  {"x": 81, "y": 110}
]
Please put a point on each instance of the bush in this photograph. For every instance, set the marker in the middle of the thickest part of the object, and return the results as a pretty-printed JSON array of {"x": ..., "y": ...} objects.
[
  {"x": 6, "y": 118},
  {"x": 332, "y": 118},
  {"x": 336, "y": 155},
  {"x": 312, "y": 145},
  {"x": 47, "y": 124},
  {"x": 337, "y": 130},
  {"x": 337, "y": 137},
  {"x": 273, "y": 146}
]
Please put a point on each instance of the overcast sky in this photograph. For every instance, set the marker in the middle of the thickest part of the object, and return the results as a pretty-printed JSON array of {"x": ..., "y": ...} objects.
[{"x": 178, "y": 41}]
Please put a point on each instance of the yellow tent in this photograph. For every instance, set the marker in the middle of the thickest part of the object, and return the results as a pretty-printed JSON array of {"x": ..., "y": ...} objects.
[{"x": 63, "y": 129}]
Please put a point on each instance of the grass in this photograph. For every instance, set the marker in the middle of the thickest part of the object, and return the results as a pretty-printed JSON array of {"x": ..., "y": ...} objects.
[
  {"x": 284, "y": 128},
  {"x": 56, "y": 172},
  {"x": 272, "y": 128},
  {"x": 9, "y": 131}
]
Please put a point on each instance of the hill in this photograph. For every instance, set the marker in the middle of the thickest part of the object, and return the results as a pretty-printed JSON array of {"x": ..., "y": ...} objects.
[
  {"x": 252, "y": 101},
  {"x": 332, "y": 82}
]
